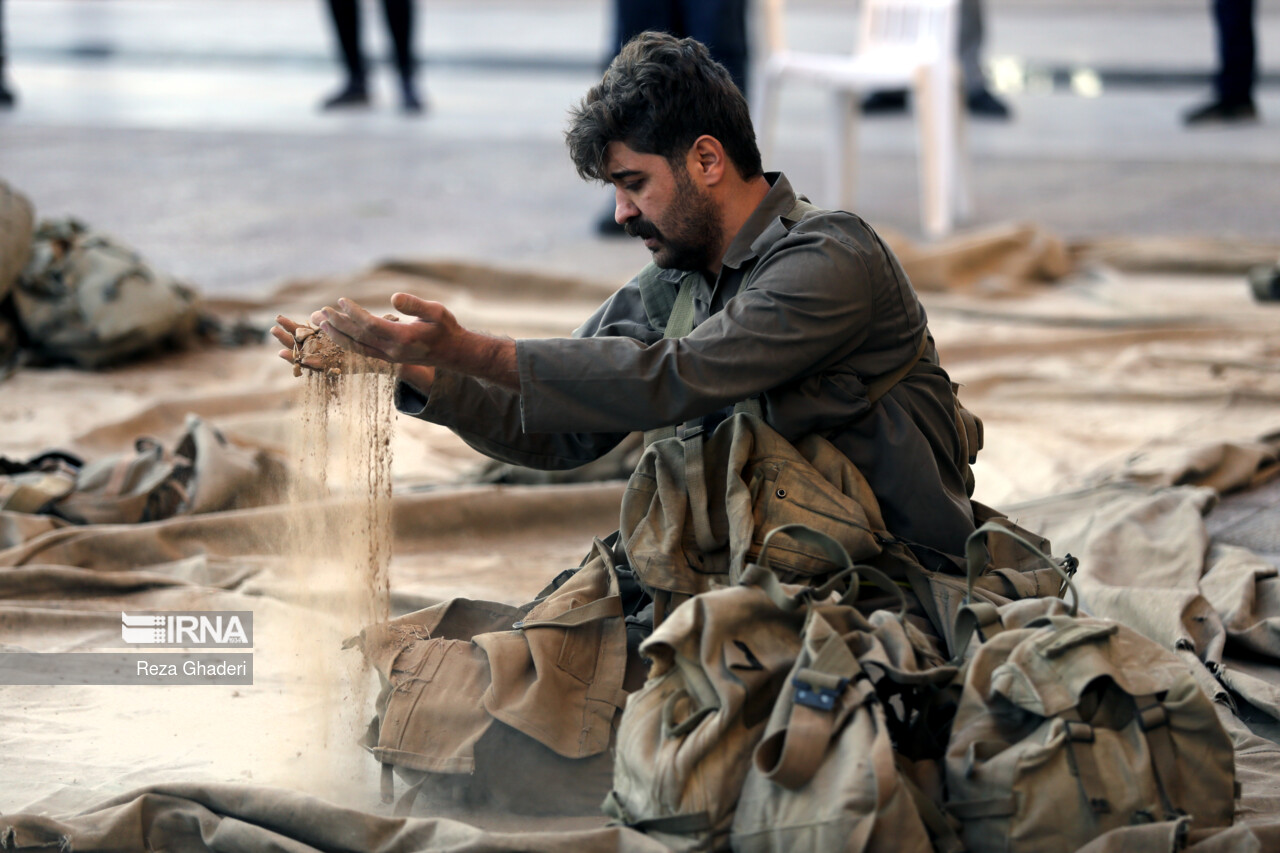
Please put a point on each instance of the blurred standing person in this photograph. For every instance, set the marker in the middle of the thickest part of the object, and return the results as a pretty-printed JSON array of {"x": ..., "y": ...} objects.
[
  {"x": 721, "y": 25},
  {"x": 7, "y": 97},
  {"x": 1237, "y": 67},
  {"x": 346, "y": 24}
]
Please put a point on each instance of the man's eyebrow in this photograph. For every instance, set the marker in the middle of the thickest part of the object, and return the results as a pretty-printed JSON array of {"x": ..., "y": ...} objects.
[{"x": 623, "y": 174}]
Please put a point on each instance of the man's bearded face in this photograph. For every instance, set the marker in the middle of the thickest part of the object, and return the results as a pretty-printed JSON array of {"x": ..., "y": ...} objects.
[{"x": 686, "y": 234}]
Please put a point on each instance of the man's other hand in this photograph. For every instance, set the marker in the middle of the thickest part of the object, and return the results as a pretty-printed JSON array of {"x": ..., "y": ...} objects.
[
  {"x": 286, "y": 333},
  {"x": 434, "y": 339}
]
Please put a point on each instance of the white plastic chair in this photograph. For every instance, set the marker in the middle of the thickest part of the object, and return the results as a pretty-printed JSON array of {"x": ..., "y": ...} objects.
[{"x": 902, "y": 44}]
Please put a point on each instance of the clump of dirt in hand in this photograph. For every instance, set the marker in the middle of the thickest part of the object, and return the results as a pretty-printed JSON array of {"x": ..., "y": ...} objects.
[{"x": 315, "y": 350}]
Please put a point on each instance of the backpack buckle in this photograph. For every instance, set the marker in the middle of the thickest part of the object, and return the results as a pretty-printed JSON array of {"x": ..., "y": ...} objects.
[{"x": 817, "y": 690}]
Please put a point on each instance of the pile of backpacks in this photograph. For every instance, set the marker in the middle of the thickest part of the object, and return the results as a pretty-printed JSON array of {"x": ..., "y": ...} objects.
[
  {"x": 792, "y": 699},
  {"x": 72, "y": 295}
]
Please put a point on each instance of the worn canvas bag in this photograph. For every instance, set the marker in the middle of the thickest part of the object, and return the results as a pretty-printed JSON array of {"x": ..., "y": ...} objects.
[
  {"x": 826, "y": 776},
  {"x": 1069, "y": 727},
  {"x": 697, "y": 508},
  {"x": 1003, "y": 563},
  {"x": 83, "y": 297},
  {"x": 34, "y": 486},
  {"x": 718, "y": 664},
  {"x": 16, "y": 228},
  {"x": 512, "y": 707},
  {"x": 203, "y": 472}
]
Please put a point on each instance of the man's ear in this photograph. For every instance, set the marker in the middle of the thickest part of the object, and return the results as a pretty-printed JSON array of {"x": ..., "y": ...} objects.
[{"x": 707, "y": 162}]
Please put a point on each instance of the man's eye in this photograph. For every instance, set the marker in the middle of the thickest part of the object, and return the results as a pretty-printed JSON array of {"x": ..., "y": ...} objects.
[{"x": 633, "y": 186}]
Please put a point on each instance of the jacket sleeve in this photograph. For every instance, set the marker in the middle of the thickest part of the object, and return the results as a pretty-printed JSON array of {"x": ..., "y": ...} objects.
[
  {"x": 808, "y": 304},
  {"x": 488, "y": 417}
]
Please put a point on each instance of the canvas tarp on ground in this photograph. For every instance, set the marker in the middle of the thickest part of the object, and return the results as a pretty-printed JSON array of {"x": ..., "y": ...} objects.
[{"x": 1165, "y": 384}]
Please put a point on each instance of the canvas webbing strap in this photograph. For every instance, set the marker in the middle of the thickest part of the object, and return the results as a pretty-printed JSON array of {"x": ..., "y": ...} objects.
[
  {"x": 1153, "y": 719},
  {"x": 691, "y": 823},
  {"x": 1079, "y": 743},
  {"x": 797, "y": 750},
  {"x": 601, "y": 608},
  {"x": 976, "y": 556}
]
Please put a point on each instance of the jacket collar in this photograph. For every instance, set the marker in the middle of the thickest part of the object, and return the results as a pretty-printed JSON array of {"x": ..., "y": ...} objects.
[{"x": 763, "y": 227}]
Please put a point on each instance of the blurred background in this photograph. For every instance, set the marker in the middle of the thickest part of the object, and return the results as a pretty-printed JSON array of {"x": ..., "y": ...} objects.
[{"x": 191, "y": 129}]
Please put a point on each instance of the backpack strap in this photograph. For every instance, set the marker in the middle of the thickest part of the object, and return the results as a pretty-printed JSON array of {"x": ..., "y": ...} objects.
[
  {"x": 690, "y": 823},
  {"x": 1084, "y": 766},
  {"x": 1153, "y": 719},
  {"x": 791, "y": 756}
]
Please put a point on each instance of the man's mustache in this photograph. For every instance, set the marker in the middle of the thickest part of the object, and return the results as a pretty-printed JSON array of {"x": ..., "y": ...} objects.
[{"x": 643, "y": 228}]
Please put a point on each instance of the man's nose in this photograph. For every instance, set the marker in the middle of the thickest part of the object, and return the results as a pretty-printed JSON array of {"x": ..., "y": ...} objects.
[{"x": 623, "y": 209}]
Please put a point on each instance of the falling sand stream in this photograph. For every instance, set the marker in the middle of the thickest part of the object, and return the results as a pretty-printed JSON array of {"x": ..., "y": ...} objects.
[{"x": 340, "y": 546}]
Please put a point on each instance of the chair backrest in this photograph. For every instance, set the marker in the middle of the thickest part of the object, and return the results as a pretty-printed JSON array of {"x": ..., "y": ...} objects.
[
  {"x": 882, "y": 24},
  {"x": 907, "y": 24}
]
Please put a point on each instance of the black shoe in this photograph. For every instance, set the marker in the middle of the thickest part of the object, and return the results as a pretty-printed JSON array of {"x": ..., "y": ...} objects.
[
  {"x": 885, "y": 102},
  {"x": 1221, "y": 112},
  {"x": 7, "y": 97},
  {"x": 983, "y": 104},
  {"x": 350, "y": 95},
  {"x": 409, "y": 100}
]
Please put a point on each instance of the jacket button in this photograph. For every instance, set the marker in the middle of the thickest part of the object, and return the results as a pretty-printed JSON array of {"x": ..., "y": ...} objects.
[{"x": 782, "y": 493}]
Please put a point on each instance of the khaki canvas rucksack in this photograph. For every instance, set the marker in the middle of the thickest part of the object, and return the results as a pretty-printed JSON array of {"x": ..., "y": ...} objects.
[
  {"x": 1068, "y": 727},
  {"x": 511, "y": 707},
  {"x": 697, "y": 508},
  {"x": 826, "y": 776},
  {"x": 85, "y": 298},
  {"x": 16, "y": 218},
  {"x": 202, "y": 472},
  {"x": 719, "y": 662}
]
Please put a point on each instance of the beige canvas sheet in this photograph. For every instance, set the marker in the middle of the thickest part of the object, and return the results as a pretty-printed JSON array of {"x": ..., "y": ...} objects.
[{"x": 1166, "y": 383}]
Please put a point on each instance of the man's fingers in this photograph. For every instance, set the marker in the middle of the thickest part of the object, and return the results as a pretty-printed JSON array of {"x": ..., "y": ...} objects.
[
  {"x": 347, "y": 342},
  {"x": 407, "y": 303},
  {"x": 284, "y": 336}
]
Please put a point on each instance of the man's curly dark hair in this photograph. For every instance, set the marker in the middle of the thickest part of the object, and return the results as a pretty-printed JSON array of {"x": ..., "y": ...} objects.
[{"x": 657, "y": 96}]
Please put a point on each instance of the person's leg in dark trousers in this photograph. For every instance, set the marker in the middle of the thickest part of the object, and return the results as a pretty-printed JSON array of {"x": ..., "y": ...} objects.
[
  {"x": 7, "y": 98},
  {"x": 630, "y": 19},
  {"x": 1237, "y": 66},
  {"x": 399, "y": 15},
  {"x": 1237, "y": 52},
  {"x": 722, "y": 26},
  {"x": 633, "y": 17},
  {"x": 346, "y": 25}
]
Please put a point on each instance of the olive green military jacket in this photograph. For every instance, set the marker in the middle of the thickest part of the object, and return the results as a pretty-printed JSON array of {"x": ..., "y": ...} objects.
[{"x": 809, "y": 308}]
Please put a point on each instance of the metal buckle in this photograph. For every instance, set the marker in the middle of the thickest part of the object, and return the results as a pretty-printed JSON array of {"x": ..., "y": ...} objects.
[{"x": 818, "y": 697}]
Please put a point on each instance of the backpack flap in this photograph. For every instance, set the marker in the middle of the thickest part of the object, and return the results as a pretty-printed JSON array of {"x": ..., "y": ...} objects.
[
  {"x": 697, "y": 508},
  {"x": 1070, "y": 728},
  {"x": 558, "y": 674},
  {"x": 686, "y": 737}
]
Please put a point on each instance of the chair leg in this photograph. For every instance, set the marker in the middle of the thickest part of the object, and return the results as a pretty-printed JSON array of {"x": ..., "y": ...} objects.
[
  {"x": 765, "y": 111},
  {"x": 842, "y": 169},
  {"x": 963, "y": 184},
  {"x": 935, "y": 113}
]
